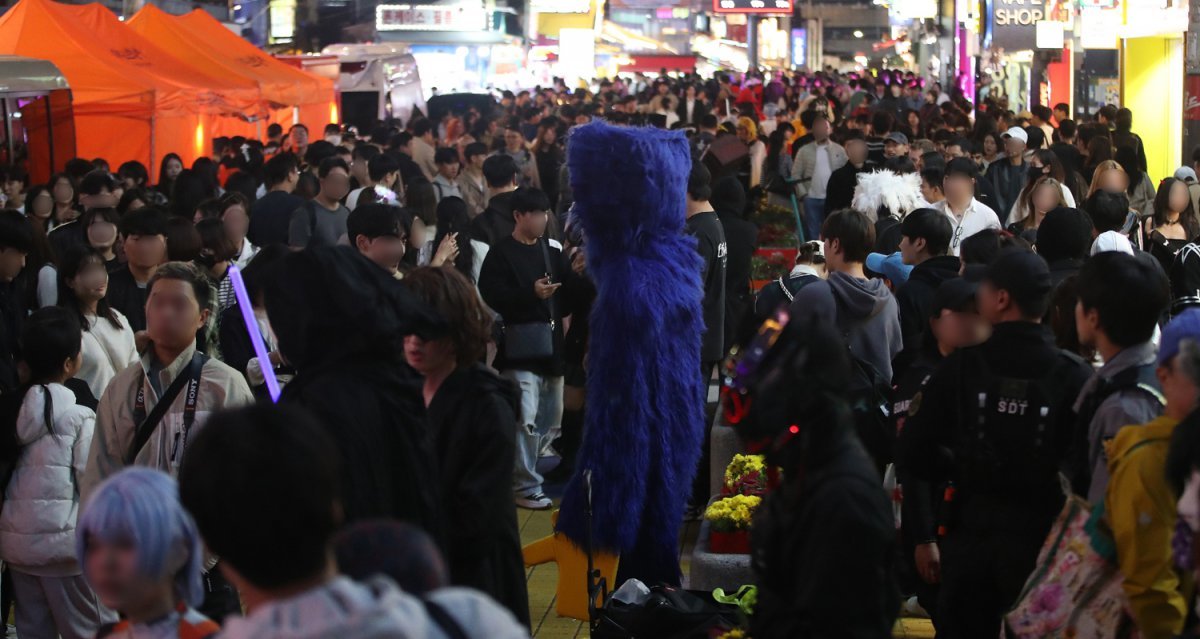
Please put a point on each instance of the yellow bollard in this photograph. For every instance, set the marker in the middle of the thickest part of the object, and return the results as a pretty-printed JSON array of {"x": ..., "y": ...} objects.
[{"x": 572, "y": 599}]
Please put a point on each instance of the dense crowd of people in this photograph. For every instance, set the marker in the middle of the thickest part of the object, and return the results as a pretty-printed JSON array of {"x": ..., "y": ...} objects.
[{"x": 1012, "y": 291}]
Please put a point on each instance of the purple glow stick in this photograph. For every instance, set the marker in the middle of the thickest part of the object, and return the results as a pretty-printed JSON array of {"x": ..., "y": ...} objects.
[{"x": 260, "y": 348}]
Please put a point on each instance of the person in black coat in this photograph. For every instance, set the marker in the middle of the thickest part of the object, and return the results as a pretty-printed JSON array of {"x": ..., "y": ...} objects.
[
  {"x": 236, "y": 348},
  {"x": 924, "y": 244},
  {"x": 473, "y": 414},
  {"x": 741, "y": 238},
  {"x": 839, "y": 193},
  {"x": 823, "y": 548},
  {"x": 339, "y": 318}
]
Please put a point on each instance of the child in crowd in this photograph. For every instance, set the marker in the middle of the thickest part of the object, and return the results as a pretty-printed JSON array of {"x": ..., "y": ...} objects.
[{"x": 141, "y": 552}]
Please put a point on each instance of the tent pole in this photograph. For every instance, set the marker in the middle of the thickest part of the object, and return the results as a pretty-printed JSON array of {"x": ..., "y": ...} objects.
[{"x": 157, "y": 178}]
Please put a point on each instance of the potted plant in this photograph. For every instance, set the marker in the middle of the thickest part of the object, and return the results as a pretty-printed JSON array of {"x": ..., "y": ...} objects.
[{"x": 730, "y": 518}]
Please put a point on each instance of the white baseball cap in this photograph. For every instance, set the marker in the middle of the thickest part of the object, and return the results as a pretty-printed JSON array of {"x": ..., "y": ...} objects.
[
  {"x": 1018, "y": 133},
  {"x": 1186, "y": 173}
]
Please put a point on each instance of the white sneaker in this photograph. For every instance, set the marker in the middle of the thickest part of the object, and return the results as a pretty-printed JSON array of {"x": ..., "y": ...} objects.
[{"x": 535, "y": 501}]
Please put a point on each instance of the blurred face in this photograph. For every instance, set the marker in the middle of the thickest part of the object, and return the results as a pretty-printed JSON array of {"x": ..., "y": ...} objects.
[
  {"x": 105, "y": 198},
  {"x": 821, "y": 129},
  {"x": 914, "y": 120},
  {"x": 1114, "y": 181},
  {"x": 174, "y": 168},
  {"x": 427, "y": 356},
  {"x": 112, "y": 570},
  {"x": 64, "y": 193},
  {"x": 1178, "y": 202},
  {"x": 416, "y": 236},
  {"x": 1013, "y": 147},
  {"x": 236, "y": 222},
  {"x": 336, "y": 184},
  {"x": 173, "y": 313},
  {"x": 856, "y": 151},
  {"x": 101, "y": 233},
  {"x": 146, "y": 251},
  {"x": 959, "y": 329},
  {"x": 1046, "y": 197},
  {"x": 958, "y": 188},
  {"x": 91, "y": 282},
  {"x": 532, "y": 224},
  {"x": 11, "y": 263},
  {"x": 386, "y": 251},
  {"x": 41, "y": 206},
  {"x": 954, "y": 151},
  {"x": 549, "y": 136}
]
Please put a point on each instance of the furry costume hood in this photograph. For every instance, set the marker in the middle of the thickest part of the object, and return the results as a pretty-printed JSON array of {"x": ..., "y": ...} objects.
[
  {"x": 884, "y": 190},
  {"x": 645, "y": 413}
]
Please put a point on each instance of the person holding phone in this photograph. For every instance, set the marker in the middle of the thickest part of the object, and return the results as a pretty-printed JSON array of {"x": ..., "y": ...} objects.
[{"x": 526, "y": 279}]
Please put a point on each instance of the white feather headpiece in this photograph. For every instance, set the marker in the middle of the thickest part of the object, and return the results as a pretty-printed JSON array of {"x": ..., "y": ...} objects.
[{"x": 898, "y": 193}]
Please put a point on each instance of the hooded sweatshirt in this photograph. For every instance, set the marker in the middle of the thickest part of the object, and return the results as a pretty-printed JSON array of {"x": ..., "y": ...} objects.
[
  {"x": 37, "y": 527},
  {"x": 915, "y": 297},
  {"x": 864, "y": 312},
  {"x": 343, "y": 609}
]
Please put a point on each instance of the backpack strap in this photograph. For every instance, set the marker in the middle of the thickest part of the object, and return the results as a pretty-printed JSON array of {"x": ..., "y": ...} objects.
[{"x": 444, "y": 620}]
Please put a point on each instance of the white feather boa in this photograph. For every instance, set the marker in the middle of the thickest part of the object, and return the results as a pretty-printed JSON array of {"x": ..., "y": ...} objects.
[{"x": 898, "y": 193}]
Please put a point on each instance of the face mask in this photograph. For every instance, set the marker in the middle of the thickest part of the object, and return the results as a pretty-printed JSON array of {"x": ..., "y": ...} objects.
[{"x": 1036, "y": 172}]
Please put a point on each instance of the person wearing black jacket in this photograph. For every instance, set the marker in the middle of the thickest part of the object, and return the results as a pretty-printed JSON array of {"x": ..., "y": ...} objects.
[
  {"x": 824, "y": 544},
  {"x": 839, "y": 193},
  {"x": 16, "y": 241},
  {"x": 520, "y": 279},
  {"x": 237, "y": 350},
  {"x": 145, "y": 234},
  {"x": 924, "y": 244},
  {"x": 351, "y": 377},
  {"x": 953, "y": 323},
  {"x": 1004, "y": 457},
  {"x": 741, "y": 238},
  {"x": 473, "y": 413},
  {"x": 1064, "y": 240}
]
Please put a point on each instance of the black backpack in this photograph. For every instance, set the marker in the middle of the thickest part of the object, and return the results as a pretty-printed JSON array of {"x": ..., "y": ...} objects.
[{"x": 1142, "y": 379}]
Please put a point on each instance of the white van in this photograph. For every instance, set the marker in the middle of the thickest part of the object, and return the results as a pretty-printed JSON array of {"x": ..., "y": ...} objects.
[{"x": 377, "y": 81}]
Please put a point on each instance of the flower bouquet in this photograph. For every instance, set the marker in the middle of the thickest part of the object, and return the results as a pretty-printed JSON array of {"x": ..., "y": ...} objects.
[
  {"x": 730, "y": 518},
  {"x": 746, "y": 475}
]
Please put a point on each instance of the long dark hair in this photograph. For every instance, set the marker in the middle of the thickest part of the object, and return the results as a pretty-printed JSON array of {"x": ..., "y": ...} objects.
[
  {"x": 1127, "y": 158},
  {"x": 73, "y": 262},
  {"x": 163, "y": 180},
  {"x": 452, "y": 217},
  {"x": 1162, "y": 205}
]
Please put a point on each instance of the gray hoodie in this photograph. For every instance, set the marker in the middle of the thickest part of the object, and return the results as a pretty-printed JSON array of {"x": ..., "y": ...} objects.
[
  {"x": 377, "y": 609},
  {"x": 864, "y": 312}
]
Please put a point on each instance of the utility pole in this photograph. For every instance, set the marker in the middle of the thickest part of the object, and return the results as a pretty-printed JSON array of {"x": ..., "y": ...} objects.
[{"x": 752, "y": 40}]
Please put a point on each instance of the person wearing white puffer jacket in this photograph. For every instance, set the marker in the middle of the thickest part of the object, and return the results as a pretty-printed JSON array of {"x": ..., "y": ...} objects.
[{"x": 41, "y": 502}]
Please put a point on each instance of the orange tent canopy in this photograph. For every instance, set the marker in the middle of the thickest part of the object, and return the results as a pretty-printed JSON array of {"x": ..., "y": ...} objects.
[
  {"x": 228, "y": 94},
  {"x": 317, "y": 100},
  {"x": 209, "y": 44},
  {"x": 131, "y": 101}
]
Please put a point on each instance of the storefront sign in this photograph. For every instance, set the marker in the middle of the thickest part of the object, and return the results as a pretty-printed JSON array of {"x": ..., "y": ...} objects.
[
  {"x": 1148, "y": 18},
  {"x": 752, "y": 6},
  {"x": 1014, "y": 23},
  {"x": 799, "y": 47},
  {"x": 1191, "y": 104},
  {"x": 403, "y": 17},
  {"x": 1098, "y": 28},
  {"x": 913, "y": 9}
]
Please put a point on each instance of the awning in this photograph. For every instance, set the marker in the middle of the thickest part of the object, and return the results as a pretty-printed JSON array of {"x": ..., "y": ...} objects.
[
  {"x": 29, "y": 76},
  {"x": 656, "y": 63}
]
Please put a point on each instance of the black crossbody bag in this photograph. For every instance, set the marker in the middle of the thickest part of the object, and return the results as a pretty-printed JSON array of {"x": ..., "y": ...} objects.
[{"x": 532, "y": 340}]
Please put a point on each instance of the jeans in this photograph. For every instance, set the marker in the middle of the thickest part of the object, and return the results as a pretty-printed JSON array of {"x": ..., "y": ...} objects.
[
  {"x": 814, "y": 217},
  {"x": 539, "y": 421}
]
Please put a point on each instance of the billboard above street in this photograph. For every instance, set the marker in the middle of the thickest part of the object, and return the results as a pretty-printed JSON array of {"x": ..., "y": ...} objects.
[{"x": 752, "y": 6}]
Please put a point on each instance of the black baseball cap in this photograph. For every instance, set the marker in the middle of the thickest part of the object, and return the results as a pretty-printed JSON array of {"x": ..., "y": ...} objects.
[
  {"x": 957, "y": 294},
  {"x": 374, "y": 221},
  {"x": 1024, "y": 274}
]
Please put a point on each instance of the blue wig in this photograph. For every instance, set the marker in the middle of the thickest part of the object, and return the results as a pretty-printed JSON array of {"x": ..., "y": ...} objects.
[
  {"x": 645, "y": 398},
  {"x": 141, "y": 507}
]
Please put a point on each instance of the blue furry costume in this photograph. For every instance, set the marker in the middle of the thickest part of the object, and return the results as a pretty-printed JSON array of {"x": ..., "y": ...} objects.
[{"x": 645, "y": 398}]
